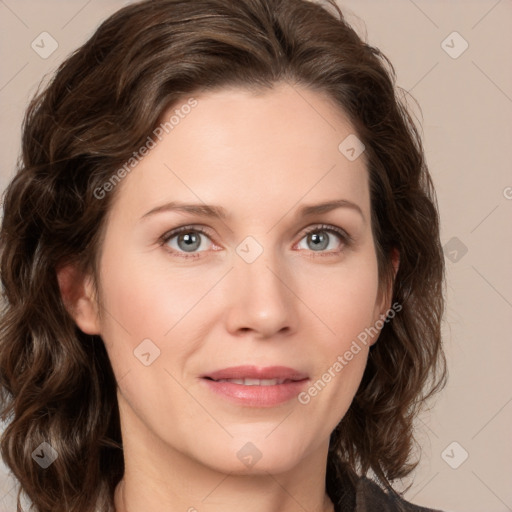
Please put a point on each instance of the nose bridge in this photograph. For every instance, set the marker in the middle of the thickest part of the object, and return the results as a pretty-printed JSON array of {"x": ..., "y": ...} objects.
[{"x": 261, "y": 299}]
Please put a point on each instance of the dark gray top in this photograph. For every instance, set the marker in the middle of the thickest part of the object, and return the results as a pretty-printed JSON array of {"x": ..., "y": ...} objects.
[{"x": 367, "y": 496}]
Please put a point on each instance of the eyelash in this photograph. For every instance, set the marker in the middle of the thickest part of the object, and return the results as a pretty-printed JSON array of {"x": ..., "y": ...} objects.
[{"x": 164, "y": 239}]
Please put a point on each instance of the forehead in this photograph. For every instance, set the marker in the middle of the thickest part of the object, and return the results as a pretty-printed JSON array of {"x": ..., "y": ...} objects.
[{"x": 269, "y": 149}]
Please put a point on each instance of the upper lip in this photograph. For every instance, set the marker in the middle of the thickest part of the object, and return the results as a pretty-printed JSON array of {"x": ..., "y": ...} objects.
[{"x": 254, "y": 372}]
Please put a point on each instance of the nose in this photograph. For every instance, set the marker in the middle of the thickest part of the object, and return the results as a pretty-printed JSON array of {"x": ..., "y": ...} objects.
[{"x": 261, "y": 302}]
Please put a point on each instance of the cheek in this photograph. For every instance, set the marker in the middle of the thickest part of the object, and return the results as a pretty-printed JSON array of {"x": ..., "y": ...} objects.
[
  {"x": 149, "y": 311},
  {"x": 345, "y": 299},
  {"x": 346, "y": 304},
  {"x": 144, "y": 297},
  {"x": 142, "y": 303}
]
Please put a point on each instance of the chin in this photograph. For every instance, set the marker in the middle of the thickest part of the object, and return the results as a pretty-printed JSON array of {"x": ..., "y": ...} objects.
[
  {"x": 264, "y": 466},
  {"x": 241, "y": 456}
]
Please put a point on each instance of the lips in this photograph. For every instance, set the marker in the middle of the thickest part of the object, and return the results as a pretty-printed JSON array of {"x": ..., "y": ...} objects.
[
  {"x": 255, "y": 382},
  {"x": 253, "y": 376},
  {"x": 251, "y": 386}
]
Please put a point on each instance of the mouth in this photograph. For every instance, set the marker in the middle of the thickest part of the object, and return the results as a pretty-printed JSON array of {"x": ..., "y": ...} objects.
[
  {"x": 256, "y": 387},
  {"x": 255, "y": 382},
  {"x": 249, "y": 375}
]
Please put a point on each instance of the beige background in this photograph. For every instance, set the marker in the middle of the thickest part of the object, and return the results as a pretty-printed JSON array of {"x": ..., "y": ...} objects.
[{"x": 466, "y": 105}]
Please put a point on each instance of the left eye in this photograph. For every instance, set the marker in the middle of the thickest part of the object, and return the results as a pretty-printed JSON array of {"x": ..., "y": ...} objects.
[{"x": 320, "y": 240}]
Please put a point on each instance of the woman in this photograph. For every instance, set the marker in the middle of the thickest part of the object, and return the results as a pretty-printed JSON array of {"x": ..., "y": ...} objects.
[{"x": 222, "y": 272}]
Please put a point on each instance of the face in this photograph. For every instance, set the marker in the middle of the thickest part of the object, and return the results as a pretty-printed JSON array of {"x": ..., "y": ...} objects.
[{"x": 267, "y": 284}]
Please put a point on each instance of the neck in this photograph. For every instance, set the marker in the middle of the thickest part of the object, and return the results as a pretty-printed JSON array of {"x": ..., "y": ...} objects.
[
  {"x": 127, "y": 499},
  {"x": 195, "y": 488},
  {"x": 161, "y": 477},
  {"x": 158, "y": 477}
]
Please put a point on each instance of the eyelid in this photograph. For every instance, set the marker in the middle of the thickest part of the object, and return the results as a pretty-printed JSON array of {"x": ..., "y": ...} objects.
[{"x": 188, "y": 227}]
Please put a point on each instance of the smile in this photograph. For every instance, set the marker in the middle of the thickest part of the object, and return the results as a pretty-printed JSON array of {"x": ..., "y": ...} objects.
[{"x": 256, "y": 382}]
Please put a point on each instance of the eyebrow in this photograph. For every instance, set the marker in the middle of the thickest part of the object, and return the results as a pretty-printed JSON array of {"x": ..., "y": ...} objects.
[{"x": 218, "y": 212}]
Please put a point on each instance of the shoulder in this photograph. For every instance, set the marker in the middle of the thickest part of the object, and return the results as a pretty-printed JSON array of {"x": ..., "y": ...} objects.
[{"x": 370, "y": 497}]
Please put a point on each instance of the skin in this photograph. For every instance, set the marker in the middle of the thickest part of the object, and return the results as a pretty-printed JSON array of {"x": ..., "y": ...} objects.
[{"x": 261, "y": 157}]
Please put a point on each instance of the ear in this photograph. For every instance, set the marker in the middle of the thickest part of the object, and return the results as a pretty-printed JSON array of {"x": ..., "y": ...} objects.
[
  {"x": 384, "y": 304},
  {"x": 395, "y": 260},
  {"x": 78, "y": 296}
]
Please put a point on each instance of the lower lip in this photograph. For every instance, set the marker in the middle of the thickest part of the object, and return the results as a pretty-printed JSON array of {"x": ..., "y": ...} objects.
[{"x": 257, "y": 396}]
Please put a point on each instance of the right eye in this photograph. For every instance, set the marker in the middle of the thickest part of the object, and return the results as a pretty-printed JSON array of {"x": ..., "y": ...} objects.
[{"x": 185, "y": 241}]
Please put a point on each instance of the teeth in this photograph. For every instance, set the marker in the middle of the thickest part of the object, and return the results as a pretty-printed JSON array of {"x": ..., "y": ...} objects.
[
  {"x": 234, "y": 381},
  {"x": 254, "y": 382}
]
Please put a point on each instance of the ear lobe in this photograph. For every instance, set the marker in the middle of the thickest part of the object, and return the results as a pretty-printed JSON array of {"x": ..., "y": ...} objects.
[{"x": 78, "y": 296}]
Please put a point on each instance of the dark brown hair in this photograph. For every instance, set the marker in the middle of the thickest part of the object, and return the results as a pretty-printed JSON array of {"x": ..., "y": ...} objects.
[{"x": 104, "y": 101}]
